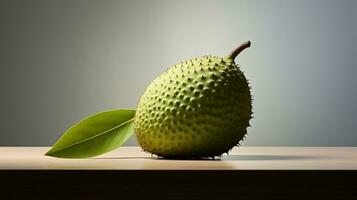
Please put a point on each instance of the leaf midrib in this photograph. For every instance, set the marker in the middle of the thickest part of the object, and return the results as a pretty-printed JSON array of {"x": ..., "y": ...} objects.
[{"x": 92, "y": 137}]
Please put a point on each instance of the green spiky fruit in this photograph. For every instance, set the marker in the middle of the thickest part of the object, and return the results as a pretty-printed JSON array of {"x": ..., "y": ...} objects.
[{"x": 197, "y": 108}]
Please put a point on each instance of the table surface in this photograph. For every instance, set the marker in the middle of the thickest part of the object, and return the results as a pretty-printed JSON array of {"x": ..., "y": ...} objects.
[{"x": 240, "y": 158}]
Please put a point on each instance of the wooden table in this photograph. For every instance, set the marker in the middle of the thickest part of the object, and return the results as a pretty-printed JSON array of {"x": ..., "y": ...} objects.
[{"x": 258, "y": 172}]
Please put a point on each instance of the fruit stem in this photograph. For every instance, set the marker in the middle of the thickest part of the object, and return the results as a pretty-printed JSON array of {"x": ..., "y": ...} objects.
[{"x": 239, "y": 49}]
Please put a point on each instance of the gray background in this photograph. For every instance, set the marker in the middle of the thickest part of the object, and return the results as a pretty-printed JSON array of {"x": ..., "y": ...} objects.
[{"x": 63, "y": 60}]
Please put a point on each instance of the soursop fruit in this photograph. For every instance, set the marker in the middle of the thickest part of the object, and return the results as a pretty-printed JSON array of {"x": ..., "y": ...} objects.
[{"x": 197, "y": 108}]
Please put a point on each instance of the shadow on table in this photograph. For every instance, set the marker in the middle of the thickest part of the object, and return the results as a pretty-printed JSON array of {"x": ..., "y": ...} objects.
[
  {"x": 265, "y": 157},
  {"x": 225, "y": 157},
  {"x": 157, "y": 158},
  {"x": 127, "y": 158}
]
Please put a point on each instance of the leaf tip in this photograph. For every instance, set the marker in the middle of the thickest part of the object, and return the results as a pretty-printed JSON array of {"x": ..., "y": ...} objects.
[{"x": 49, "y": 153}]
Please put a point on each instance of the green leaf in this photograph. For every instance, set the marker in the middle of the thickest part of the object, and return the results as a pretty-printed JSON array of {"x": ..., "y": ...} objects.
[{"x": 95, "y": 135}]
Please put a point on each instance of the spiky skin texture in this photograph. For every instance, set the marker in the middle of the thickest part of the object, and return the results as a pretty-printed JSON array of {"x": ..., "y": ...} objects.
[{"x": 198, "y": 108}]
